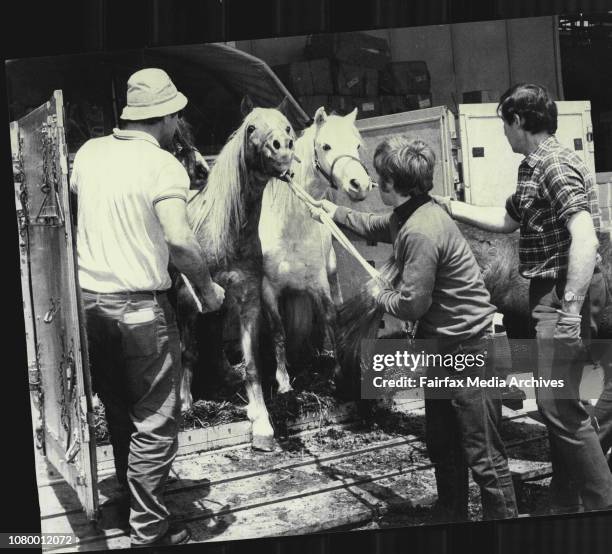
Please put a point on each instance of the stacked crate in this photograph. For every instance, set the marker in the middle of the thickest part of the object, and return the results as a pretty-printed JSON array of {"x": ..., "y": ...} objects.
[
  {"x": 405, "y": 86},
  {"x": 353, "y": 70}
]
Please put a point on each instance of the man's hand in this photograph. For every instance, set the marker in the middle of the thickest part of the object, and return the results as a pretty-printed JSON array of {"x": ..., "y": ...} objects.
[
  {"x": 214, "y": 297},
  {"x": 328, "y": 207},
  {"x": 568, "y": 326},
  {"x": 376, "y": 286},
  {"x": 444, "y": 202}
]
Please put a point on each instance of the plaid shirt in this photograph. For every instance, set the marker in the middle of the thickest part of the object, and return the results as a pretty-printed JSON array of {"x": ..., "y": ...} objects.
[{"x": 553, "y": 184}]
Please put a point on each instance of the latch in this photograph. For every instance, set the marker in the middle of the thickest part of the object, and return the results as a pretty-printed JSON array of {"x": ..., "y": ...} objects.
[
  {"x": 589, "y": 138},
  {"x": 53, "y": 308},
  {"x": 73, "y": 451}
]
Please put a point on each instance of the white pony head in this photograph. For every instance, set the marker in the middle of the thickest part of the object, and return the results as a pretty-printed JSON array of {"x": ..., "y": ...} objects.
[{"x": 336, "y": 153}]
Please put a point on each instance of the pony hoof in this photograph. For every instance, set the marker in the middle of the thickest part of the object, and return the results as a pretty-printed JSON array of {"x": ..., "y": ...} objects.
[
  {"x": 265, "y": 443},
  {"x": 284, "y": 389}
]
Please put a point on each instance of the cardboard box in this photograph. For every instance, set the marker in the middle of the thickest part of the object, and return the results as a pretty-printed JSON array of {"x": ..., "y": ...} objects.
[
  {"x": 311, "y": 104},
  {"x": 480, "y": 96},
  {"x": 353, "y": 48},
  {"x": 340, "y": 104},
  {"x": 391, "y": 104},
  {"x": 355, "y": 80},
  {"x": 410, "y": 77},
  {"x": 368, "y": 107},
  {"x": 307, "y": 78},
  {"x": 321, "y": 73},
  {"x": 418, "y": 101}
]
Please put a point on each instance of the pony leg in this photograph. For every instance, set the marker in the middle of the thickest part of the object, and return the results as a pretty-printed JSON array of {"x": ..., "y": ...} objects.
[
  {"x": 263, "y": 434},
  {"x": 332, "y": 276},
  {"x": 270, "y": 300},
  {"x": 325, "y": 305},
  {"x": 186, "y": 379}
]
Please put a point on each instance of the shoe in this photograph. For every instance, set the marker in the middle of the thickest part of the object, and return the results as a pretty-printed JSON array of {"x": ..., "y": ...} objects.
[
  {"x": 174, "y": 536},
  {"x": 512, "y": 397}
]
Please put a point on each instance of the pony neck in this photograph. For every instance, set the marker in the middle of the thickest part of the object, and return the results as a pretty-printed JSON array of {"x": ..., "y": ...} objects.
[{"x": 310, "y": 178}]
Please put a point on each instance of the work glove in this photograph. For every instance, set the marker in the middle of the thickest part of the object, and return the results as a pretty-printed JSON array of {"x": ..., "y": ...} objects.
[
  {"x": 444, "y": 202},
  {"x": 568, "y": 326},
  {"x": 546, "y": 321}
]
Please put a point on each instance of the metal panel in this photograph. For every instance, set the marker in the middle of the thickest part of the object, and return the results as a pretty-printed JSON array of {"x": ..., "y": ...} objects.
[
  {"x": 51, "y": 306},
  {"x": 541, "y": 35},
  {"x": 480, "y": 53},
  {"x": 490, "y": 168}
]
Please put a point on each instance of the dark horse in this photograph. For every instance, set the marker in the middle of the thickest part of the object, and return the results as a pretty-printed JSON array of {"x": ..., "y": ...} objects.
[{"x": 497, "y": 256}]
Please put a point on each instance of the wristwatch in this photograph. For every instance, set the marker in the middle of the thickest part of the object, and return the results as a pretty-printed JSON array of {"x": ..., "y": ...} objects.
[{"x": 569, "y": 296}]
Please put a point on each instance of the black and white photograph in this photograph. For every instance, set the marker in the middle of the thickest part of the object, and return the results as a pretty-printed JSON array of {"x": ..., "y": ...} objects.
[{"x": 339, "y": 281}]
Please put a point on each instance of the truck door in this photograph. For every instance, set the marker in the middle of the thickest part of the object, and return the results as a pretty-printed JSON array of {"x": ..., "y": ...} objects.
[{"x": 56, "y": 345}]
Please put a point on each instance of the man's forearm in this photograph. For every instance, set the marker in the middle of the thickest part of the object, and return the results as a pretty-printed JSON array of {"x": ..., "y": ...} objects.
[
  {"x": 489, "y": 218},
  {"x": 582, "y": 257},
  {"x": 187, "y": 258},
  {"x": 371, "y": 226},
  {"x": 581, "y": 265}
]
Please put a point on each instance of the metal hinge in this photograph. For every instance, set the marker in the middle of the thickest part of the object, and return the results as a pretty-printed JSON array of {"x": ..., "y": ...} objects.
[
  {"x": 34, "y": 377},
  {"x": 87, "y": 418}
]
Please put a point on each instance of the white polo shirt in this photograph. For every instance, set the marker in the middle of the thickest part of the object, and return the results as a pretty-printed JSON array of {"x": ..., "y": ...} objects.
[{"x": 120, "y": 242}]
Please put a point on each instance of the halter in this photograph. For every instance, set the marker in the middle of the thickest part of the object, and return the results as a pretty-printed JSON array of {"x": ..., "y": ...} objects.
[{"x": 330, "y": 176}]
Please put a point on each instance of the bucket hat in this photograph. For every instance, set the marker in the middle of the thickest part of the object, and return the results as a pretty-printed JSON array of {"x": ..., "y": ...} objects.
[{"x": 151, "y": 93}]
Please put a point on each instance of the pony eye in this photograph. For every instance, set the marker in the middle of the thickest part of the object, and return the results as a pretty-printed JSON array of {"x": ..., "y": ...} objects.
[
  {"x": 250, "y": 129},
  {"x": 326, "y": 147},
  {"x": 288, "y": 130}
]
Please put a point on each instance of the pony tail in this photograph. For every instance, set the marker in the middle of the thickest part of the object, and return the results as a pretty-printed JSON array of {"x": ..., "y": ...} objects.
[{"x": 359, "y": 318}]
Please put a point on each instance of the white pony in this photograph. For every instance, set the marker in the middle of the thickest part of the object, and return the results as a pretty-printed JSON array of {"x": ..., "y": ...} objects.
[{"x": 299, "y": 261}]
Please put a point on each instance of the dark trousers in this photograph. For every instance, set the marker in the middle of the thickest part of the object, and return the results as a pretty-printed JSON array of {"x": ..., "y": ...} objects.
[
  {"x": 581, "y": 476},
  {"x": 462, "y": 431},
  {"x": 134, "y": 352}
]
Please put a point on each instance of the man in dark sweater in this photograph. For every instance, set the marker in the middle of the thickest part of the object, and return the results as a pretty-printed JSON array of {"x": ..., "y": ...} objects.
[{"x": 442, "y": 288}]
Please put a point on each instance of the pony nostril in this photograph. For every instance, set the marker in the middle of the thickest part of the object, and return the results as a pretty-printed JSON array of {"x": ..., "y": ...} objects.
[
  {"x": 276, "y": 144},
  {"x": 290, "y": 144}
]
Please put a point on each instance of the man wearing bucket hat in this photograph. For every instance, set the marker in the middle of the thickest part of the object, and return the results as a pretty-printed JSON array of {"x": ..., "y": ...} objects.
[{"x": 131, "y": 220}]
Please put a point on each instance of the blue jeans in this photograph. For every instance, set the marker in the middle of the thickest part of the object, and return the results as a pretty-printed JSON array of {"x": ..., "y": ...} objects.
[
  {"x": 134, "y": 352},
  {"x": 581, "y": 476},
  {"x": 461, "y": 433}
]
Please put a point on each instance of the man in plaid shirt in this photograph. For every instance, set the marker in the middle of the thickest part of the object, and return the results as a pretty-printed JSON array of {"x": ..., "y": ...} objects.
[{"x": 555, "y": 207}]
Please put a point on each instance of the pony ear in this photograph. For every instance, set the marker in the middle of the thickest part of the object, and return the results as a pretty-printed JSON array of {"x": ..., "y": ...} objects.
[
  {"x": 246, "y": 106},
  {"x": 352, "y": 116},
  {"x": 320, "y": 116},
  {"x": 283, "y": 107}
]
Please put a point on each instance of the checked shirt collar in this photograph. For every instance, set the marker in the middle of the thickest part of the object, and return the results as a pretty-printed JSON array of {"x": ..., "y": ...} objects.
[{"x": 537, "y": 155}]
